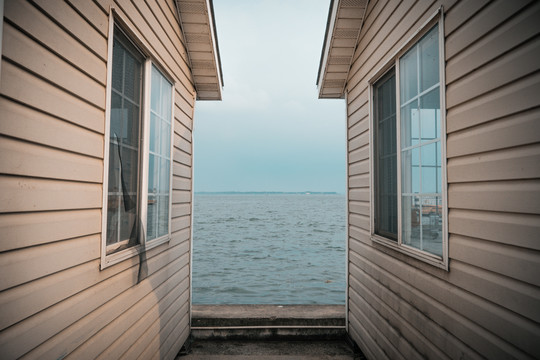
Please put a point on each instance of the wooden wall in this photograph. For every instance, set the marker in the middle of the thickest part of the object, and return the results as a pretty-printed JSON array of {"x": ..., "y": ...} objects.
[
  {"x": 55, "y": 301},
  {"x": 488, "y": 303}
]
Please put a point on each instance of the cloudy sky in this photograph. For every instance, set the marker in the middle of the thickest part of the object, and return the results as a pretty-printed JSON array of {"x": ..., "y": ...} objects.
[{"x": 270, "y": 132}]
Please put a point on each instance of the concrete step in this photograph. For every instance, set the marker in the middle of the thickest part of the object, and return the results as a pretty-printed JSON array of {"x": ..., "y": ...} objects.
[{"x": 268, "y": 321}]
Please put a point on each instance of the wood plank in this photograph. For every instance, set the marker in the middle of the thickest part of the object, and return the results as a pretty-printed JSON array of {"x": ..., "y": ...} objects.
[
  {"x": 511, "y": 261},
  {"x": 77, "y": 26},
  {"x": 26, "y": 194},
  {"x": 25, "y": 336},
  {"x": 182, "y": 144},
  {"x": 25, "y": 123},
  {"x": 172, "y": 344},
  {"x": 357, "y": 181},
  {"x": 180, "y": 210},
  {"x": 180, "y": 223},
  {"x": 504, "y": 38},
  {"x": 31, "y": 263},
  {"x": 147, "y": 307},
  {"x": 182, "y": 157},
  {"x": 75, "y": 335},
  {"x": 358, "y": 220},
  {"x": 507, "y": 164},
  {"x": 181, "y": 170},
  {"x": 404, "y": 322},
  {"x": 181, "y": 196},
  {"x": 27, "y": 159},
  {"x": 359, "y": 141},
  {"x": 180, "y": 183},
  {"x": 35, "y": 92},
  {"x": 519, "y": 297},
  {"x": 520, "y": 129},
  {"x": 461, "y": 13},
  {"x": 21, "y": 49},
  {"x": 359, "y": 154},
  {"x": 30, "y": 229},
  {"x": 182, "y": 130},
  {"x": 44, "y": 30},
  {"x": 93, "y": 15},
  {"x": 506, "y": 228},
  {"x": 359, "y": 207},
  {"x": 360, "y": 167},
  {"x": 484, "y": 22},
  {"x": 509, "y": 67},
  {"x": 513, "y": 98},
  {"x": 521, "y": 196},
  {"x": 148, "y": 344},
  {"x": 30, "y": 298},
  {"x": 466, "y": 316}
]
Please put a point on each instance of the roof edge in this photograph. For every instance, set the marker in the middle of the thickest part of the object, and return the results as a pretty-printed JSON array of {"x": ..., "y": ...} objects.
[{"x": 322, "y": 61}]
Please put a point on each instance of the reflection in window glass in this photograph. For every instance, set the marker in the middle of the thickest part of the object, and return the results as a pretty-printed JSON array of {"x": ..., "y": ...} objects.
[
  {"x": 421, "y": 198},
  {"x": 160, "y": 156},
  {"x": 123, "y": 180}
]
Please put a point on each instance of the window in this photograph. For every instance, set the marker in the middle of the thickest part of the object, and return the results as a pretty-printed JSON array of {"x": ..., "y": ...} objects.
[
  {"x": 138, "y": 175},
  {"x": 409, "y": 182}
]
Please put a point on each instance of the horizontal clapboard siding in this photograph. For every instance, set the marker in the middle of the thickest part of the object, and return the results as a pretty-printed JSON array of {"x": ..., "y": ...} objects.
[
  {"x": 487, "y": 304},
  {"x": 55, "y": 302}
]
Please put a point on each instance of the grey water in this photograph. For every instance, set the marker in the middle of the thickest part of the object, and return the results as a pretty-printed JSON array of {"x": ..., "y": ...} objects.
[{"x": 269, "y": 249}]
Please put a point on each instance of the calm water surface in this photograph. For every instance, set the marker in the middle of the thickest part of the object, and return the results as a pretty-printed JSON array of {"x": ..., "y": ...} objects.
[{"x": 269, "y": 249}]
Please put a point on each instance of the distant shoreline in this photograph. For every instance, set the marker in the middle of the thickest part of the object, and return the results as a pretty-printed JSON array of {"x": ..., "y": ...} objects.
[{"x": 267, "y": 193}]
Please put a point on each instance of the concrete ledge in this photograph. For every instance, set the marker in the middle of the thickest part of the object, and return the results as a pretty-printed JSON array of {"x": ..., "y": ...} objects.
[{"x": 268, "y": 321}]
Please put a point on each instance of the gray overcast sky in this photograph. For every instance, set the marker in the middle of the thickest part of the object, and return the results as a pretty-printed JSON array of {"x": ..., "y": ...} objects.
[{"x": 270, "y": 132}]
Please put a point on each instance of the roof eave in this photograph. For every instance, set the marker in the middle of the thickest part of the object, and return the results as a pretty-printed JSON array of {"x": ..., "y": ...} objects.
[
  {"x": 345, "y": 20},
  {"x": 197, "y": 21}
]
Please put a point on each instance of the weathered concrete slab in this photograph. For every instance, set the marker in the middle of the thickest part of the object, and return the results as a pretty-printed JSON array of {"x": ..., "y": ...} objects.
[{"x": 270, "y": 350}]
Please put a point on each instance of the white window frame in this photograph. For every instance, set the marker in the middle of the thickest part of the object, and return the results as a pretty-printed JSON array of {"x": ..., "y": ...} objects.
[
  {"x": 144, "y": 134},
  {"x": 393, "y": 62}
]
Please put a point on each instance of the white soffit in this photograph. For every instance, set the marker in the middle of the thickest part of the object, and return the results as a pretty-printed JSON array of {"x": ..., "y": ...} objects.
[
  {"x": 345, "y": 21},
  {"x": 197, "y": 23}
]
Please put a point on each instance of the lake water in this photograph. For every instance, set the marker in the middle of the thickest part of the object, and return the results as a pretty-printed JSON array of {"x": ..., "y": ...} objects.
[{"x": 269, "y": 249}]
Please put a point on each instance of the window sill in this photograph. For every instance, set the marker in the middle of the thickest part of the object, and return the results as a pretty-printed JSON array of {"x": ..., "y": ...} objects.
[
  {"x": 122, "y": 255},
  {"x": 423, "y": 256}
]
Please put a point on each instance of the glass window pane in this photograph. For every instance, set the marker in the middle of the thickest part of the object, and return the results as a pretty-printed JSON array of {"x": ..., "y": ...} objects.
[
  {"x": 164, "y": 172},
  {"x": 153, "y": 163},
  {"x": 429, "y": 59},
  {"x": 166, "y": 100},
  {"x": 410, "y": 125},
  {"x": 151, "y": 221},
  {"x": 385, "y": 157},
  {"x": 432, "y": 225},
  {"x": 163, "y": 216},
  {"x": 430, "y": 182},
  {"x": 430, "y": 115},
  {"x": 154, "y": 132},
  {"x": 408, "y": 75},
  {"x": 155, "y": 91},
  {"x": 165, "y": 148},
  {"x": 411, "y": 220},
  {"x": 123, "y": 179},
  {"x": 410, "y": 171}
]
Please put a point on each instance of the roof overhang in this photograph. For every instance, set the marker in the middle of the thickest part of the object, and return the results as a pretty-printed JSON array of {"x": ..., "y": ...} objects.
[
  {"x": 345, "y": 19},
  {"x": 200, "y": 37}
]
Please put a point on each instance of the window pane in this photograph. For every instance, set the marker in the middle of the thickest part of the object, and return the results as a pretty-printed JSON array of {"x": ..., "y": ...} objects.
[
  {"x": 430, "y": 181},
  {"x": 160, "y": 164},
  {"x": 410, "y": 171},
  {"x": 151, "y": 218},
  {"x": 163, "y": 215},
  {"x": 411, "y": 219},
  {"x": 422, "y": 223},
  {"x": 410, "y": 125},
  {"x": 123, "y": 179},
  {"x": 430, "y": 115},
  {"x": 385, "y": 157},
  {"x": 429, "y": 59},
  {"x": 408, "y": 75}
]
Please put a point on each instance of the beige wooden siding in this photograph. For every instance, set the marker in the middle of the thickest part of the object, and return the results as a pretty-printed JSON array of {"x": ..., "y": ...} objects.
[
  {"x": 54, "y": 300},
  {"x": 488, "y": 303}
]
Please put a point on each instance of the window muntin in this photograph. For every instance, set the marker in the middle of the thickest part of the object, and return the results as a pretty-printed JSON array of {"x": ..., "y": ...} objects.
[
  {"x": 420, "y": 174},
  {"x": 139, "y": 153},
  {"x": 386, "y": 219}
]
